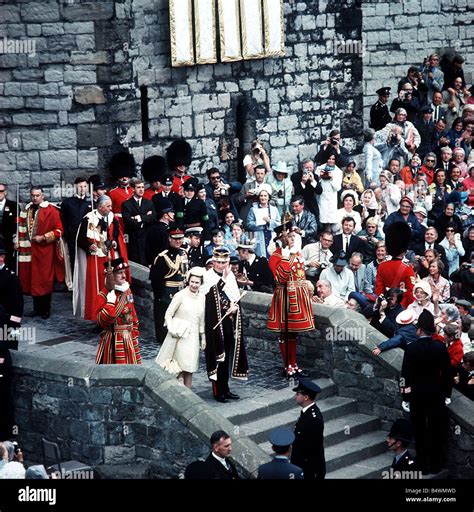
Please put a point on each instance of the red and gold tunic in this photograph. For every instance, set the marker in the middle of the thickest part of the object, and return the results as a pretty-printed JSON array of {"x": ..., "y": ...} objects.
[
  {"x": 300, "y": 311},
  {"x": 119, "y": 339},
  {"x": 40, "y": 264}
]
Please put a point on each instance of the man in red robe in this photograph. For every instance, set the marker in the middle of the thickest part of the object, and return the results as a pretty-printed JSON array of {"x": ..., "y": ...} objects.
[
  {"x": 99, "y": 239},
  {"x": 179, "y": 156},
  {"x": 40, "y": 256},
  {"x": 117, "y": 316},
  {"x": 395, "y": 273},
  {"x": 291, "y": 310}
]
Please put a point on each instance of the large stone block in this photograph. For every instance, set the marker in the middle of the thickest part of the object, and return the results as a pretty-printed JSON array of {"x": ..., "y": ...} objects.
[
  {"x": 86, "y": 43},
  {"x": 90, "y": 57},
  {"x": 89, "y": 94},
  {"x": 60, "y": 159},
  {"x": 53, "y": 75},
  {"x": 116, "y": 73},
  {"x": 88, "y": 159},
  {"x": 57, "y": 103},
  {"x": 28, "y": 74},
  {"x": 39, "y": 12},
  {"x": 52, "y": 29},
  {"x": 11, "y": 102},
  {"x": 28, "y": 161},
  {"x": 89, "y": 11},
  {"x": 63, "y": 138},
  {"x": 50, "y": 89},
  {"x": 85, "y": 27},
  {"x": 125, "y": 111},
  {"x": 80, "y": 77},
  {"x": 85, "y": 116}
]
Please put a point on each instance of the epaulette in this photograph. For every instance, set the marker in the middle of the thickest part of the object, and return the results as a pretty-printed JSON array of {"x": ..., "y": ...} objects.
[{"x": 163, "y": 253}]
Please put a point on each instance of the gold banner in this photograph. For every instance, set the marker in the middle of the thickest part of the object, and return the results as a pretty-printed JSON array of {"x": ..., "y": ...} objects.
[
  {"x": 274, "y": 28},
  {"x": 181, "y": 33},
  {"x": 205, "y": 30},
  {"x": 229, "y": 30},
  {"x": 251, "y": 21}
]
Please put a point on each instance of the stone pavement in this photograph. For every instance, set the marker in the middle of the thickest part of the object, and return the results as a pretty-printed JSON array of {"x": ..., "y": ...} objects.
[{"x": 64, "y": 336}]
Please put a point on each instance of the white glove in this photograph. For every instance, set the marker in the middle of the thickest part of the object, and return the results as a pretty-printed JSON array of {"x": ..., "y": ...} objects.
[
  {"x": 285, "y": 252},
  {"x": 447, "y": 401},
  {"x": 203, "y": 343},
  {"x": 111, "y": 297},
  {"x": 406, "y": 406}
]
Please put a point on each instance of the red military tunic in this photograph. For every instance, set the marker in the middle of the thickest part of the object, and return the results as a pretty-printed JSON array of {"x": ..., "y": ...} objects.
[
  {"x": 178, "y": 183},
  {"x": 150, "y": 192},
  {"x": 118, "y": 196},
  {"x": 395, "y": 274},
  {"x": 119, "y": 339},
  {"x": 300, "y": 310},
  {"x": 40, "y": 264}
]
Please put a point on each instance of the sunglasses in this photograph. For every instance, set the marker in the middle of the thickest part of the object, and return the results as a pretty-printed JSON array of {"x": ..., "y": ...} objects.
[
  {"x": 431, "y": 161},
  {"x": 450, "y": 229}
]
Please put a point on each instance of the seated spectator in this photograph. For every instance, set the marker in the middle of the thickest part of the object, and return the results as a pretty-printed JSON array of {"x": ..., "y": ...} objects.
[
  {"x": 404, "y": 335},
  {"x": 318, "y": 256},
  {"x": 422, "y": 217},
  {"x": 464, "y": 381},
  {"x": 304, "y": 222},
  {"x": 458, "y": 159},
  {"x": 373, "y": 158},
  {"x": 453, "y": 248},
  {"x": 237, "y": 235},
  {"x": 226, "y": 225},
  {"x": 340, "y": 277},
  {"x": 257, "y": 157},
  {"x": 431, "y": 242},
  {"x": 440, "y": 191},
  {"x": 349, "y": 199},
  {"x": 421, "y": 195},
  {"x": 347, "y": 241},
  {"x": 263, "y": 218},
  {"x": 454, "y": 345},
  {"x": 455, "y": 181},
  {"x": 352, "y": 304},
  {"x": 405, "y": 214},
  {"x": 325, "y": 296},
  {"x": 372, "y": 237},
  {"x": 445, "y": 163},
  {"x": 371, "y": 268},
  {"x": 437, "y": 281},
  {"x": 368, "y": 207},
  {"x": 448, "y": 218},
  {"x": 410, "y": 134},
  {"x": 394, "y": 167},
  {"x": 439, "y": 108},
  {"x": 424, "y": 262},
  {"x": 411, "y": 171},
  {"x": 468, "y": 244},
  {"x": 383, "y": 313},
  {"x": 306, "y": 184},
  {"x": 357, "y": 267},
  {"x": 351, "y": 179},
  {"x": 428, "y": 168},
  {"x": 423, "y": 293}
]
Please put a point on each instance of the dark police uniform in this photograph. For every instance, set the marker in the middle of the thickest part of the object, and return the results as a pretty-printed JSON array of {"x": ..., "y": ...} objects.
[
  {"x": 405, "y": 463},
  {"x": 8, "y": 217},
  {"x": 167, "y": 277},
  {"x": 379, "y": 113},
  {"x": 308, "y": 447},
  {"x": 259, "y": 273},
  {"x": 217, "y": 471}
]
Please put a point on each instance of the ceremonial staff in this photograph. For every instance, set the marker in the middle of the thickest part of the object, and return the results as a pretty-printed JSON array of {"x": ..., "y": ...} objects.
[
  {"x": 95, "y": 256},
  {"x": 17, "y": 225},
  {"x": 227, "y": 314}
]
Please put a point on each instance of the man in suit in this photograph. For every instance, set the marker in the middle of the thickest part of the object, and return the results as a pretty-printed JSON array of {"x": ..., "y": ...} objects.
[
  {"x": 307, "y": 185},
  {"x": 379, "y": 114},
  {"x": 398, "y": 439},
  {"x": 138, "y": 215},
  {"x": 254, "y": 272},
  {"x": 304, "y": 223},
  {"x": 426, "y": 129},
  {"x": 218, "y": 461},
  {"x": 308, "y": 447},
  {"x": 439, "y": 110},
  {"x": 358, "y": 270},
  {"x": 347, "y": 241},
  {"x": 431, "y": 237},
  {"x": 157, "y": 235},
  {"x": 8, "y": 215},
  {"x": 280, "y": 468},
  {"x": 425, "y": 384}
]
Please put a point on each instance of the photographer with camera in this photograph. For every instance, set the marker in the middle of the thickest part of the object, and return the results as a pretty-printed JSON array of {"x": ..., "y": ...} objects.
[
  {"x": 282, "y": 188},
  {"x": 408, "y": 102},
  {"x": 248, "y": 195},
  {"x": 433, "y": 77},
  {"x": 415, "y": 79},
  {"x": 332, "y": 146},
  {"x": 307, "y": 185},
  {"x": 258, "y": 157},
  {"x": 392, "y": 145},
  {"x": 317, "y": 256},
  {"x": 330, "y": 176},
  {"x": 222, "y": 192}
]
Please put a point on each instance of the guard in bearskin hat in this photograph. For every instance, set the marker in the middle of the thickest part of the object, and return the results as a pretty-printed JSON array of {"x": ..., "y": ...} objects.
[
  {"x": 122, "y": 168},
  {"x": 396, "y": 273},
  {"x": 153, "y": 171},
  {"x": 179, "y": 156}
]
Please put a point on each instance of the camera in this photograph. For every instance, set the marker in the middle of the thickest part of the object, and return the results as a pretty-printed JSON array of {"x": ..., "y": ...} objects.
[
  {"x": 323, "y": 265},
  {"x": 393, "y": 138},
  {"x": 334, "y": 142},
  {"x": 305, "y": 172},
  {"x": 15, "y": 444},
  {"x": 280, "y": 194}
]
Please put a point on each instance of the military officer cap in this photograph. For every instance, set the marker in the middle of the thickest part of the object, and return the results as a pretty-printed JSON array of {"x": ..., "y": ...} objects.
[
  {"x": 426, "y": 109},
  {"x": 116, "y": 265},
  {"x": 383, "y": 91},
  {"x": 401, "y": 430},
  {"x": 2, "y": 247},
  {"x": 189, "y": 185},
  {"x": 175, "y": 232},
  {"x": 308, "y": 387},
  {"x": 281, "y": 437},
  {"x": 167, "y": 180},
  {"x": 197, "y": 231}
]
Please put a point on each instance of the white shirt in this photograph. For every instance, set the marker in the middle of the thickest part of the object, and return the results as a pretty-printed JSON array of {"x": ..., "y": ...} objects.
[
  {"x": 307, "y": 407},
  {"x": 2, "y": 204},
  {"x": 342, "y": 284},
  {"x": 222, "y": 461}
]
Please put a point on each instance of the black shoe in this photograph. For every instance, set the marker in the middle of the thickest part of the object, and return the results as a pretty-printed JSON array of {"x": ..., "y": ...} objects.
[
  {"x": 232, "y": 396},
  {"x": 45, "y": 316},
  {"x": 32, "y": 313},
  {"x": 221, "y": 399}
]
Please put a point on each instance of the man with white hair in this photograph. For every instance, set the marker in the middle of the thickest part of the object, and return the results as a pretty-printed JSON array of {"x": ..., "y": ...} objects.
[
  {"x": 391, "y": 144},
  {"x": 325, "y": 296},
  {"x": 99, "y": 239}
]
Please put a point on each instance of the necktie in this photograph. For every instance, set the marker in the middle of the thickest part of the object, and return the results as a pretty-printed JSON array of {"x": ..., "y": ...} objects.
[
  {"x": 297, "y": 218},
  {"x": 347, "y": 244}
]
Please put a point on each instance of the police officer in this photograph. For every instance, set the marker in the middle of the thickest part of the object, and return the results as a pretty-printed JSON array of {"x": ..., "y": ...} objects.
[
  {"x": 196, "y": 255},
  {"x": 192, "y": 211},
  {"x": 379, "y": 113},
  {"x": 11, "y": 311},
  {"x": 167, "y": 277},
  {"x": 280, "y": 468},
  {"x": 398, "y": 439},
  {"x": 308, "y": 447}
]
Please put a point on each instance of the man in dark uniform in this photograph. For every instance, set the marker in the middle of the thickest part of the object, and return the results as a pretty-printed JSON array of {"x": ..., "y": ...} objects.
[
  {"x": 11, "y": 311},
  {"x": 167, "y": 277},
  {"x": 157, "y": 235},
  {"x": 254, "y": 271},
  {"x": 196, "y": 255},
  {"x": 192, "y": 211},
  {"x": 138, "y": 215},
  {"x": 308, "y": 447},
  {"x": 379, "y": 114},
  {"x": 220, "y": 467},
  {"x": 398, "y": 439},
  {"x": 72, "y": 212},
  {"x": 425, "y": 384},
  {"x": 280, "y": 468},
  {"x": 426, "y": 129},
  {"x": 166, "y": 192},
  {"x": 8, "y": 215}
]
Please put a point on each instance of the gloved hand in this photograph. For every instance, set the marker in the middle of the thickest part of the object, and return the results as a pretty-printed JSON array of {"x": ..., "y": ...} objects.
[
  {"x": 203, "y": 343},
  {"x": 111, "y": 297},
  {"x": 406, "y": 406},
  {"x": 285, "y": 252},
  {"x": 447, "y": 401}
]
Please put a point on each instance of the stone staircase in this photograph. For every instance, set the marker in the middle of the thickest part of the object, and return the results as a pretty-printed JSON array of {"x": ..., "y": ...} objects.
[{"x": 355, "y": 446}]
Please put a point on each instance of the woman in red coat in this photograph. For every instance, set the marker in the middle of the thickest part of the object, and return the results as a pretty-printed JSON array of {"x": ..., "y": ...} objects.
[{"x": 291, "y": 308}]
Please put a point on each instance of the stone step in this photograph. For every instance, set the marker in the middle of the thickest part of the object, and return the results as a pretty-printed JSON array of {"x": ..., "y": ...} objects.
[
  {"x": 332, "y": 407},
  {"x": 355, "y": 450},
  {"x": 341, "y": 429},
  {"x": 370, "y": 468},
  {"x": 270, "y": 403}
]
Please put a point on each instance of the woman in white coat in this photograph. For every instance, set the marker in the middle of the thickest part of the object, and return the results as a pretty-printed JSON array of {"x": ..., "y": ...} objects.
[
  {"x": 373, "y": 159},
  {"x": 330, "y": 179},
  {"x": 184, "y": 318}
]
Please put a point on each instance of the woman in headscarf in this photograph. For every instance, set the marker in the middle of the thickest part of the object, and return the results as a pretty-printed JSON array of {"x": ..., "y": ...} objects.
[{"x": 369, "y": 207}]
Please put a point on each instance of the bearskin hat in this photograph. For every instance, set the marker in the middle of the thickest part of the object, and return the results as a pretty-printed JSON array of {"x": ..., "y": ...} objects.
[
  {"x": 96, "y": 181},
  {"x": 397, "y": 238},
  {"x": 153, "y": 168},
  {"x": 179, "y": 153},
  {"x": 122, "y": 165}
]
